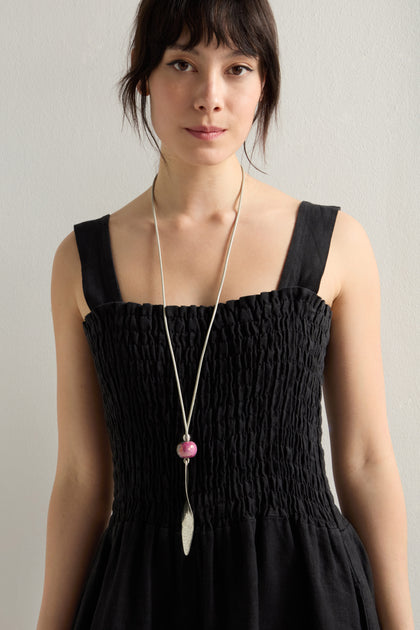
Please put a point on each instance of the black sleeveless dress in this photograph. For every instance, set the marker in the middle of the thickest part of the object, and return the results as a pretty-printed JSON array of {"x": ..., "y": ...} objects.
[{"x": 270, "y": 550}]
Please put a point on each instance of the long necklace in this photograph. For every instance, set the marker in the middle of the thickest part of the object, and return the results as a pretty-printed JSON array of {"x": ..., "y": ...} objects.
[{"x": 188, "y": 449}]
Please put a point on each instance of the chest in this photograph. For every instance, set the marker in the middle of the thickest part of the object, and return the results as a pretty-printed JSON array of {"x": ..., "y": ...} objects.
[
  {"x": 193, "y": 259},
  {"x": 194, "y": 255}
]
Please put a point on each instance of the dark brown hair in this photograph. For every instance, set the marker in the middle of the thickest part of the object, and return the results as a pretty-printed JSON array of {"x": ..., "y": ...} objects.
[{"x": 248, "y": 24}]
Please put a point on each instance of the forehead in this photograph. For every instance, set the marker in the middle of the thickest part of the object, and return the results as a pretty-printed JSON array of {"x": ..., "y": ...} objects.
[{"x": 226, "y": 51}]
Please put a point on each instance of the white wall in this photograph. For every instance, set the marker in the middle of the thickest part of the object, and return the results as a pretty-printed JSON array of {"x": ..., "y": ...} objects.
[{"x": 348, "y": 136}]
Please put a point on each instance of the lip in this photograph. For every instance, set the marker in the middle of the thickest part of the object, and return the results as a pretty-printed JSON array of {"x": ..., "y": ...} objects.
[
  {"x": 206, "y": 135},
  {"x": 205, "y": 129}
]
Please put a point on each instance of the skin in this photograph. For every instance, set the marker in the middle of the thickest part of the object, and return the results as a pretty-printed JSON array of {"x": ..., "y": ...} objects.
[{"x": 196, "y": 202}]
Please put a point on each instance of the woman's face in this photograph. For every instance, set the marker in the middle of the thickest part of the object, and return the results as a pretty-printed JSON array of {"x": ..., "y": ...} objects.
[{"x": 208, "y": 87}]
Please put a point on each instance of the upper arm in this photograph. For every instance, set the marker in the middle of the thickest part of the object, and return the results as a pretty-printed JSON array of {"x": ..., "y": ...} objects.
[
  {"x": 83, "y": 445},
  {"x": 353, "y": 387}
]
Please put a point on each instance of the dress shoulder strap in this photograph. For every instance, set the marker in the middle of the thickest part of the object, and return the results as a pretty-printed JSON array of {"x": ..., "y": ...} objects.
[
  {"x": 308, "y": 251},
  {"x": 100, "y": 284}
]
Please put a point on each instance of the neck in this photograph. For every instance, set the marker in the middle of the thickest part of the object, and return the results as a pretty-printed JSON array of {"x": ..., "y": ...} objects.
[{"x": 199, "y": 193}]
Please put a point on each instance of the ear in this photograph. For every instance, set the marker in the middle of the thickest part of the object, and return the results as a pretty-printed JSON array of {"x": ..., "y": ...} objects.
[
  {"x": 133, "y": 52},
  {"x": 262, "y": 86},
  {"x": 263, "y": 83}
]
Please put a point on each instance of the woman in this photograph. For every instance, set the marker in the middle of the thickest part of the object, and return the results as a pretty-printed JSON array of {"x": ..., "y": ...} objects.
[{"x": 221, "y": 512}]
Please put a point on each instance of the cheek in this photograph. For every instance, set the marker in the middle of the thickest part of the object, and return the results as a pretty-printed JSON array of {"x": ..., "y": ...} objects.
[
  {"x": 245, "y": 104},
  {"x": 164, "y": 101},
  {"x": 170, "y": 91},
  {"x": 167, "y": 100}
]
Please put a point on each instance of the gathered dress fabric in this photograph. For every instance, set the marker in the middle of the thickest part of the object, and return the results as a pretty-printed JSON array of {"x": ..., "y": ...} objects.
[{"x": 271, "y": 549}]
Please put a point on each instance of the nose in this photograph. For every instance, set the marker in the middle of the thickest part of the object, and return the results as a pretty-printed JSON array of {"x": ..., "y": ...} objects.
[{"x": 209, "y": 92}]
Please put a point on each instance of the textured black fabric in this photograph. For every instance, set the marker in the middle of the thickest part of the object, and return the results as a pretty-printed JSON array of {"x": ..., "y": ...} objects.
[{"x": 270, "y": 549}]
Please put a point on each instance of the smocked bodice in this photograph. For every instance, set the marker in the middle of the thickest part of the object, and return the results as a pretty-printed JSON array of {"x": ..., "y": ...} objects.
[{"x": 256, "y": 418}]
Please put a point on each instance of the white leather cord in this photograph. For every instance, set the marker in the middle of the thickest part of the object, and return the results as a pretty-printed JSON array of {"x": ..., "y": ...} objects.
[{"x": 187, "y": 516}]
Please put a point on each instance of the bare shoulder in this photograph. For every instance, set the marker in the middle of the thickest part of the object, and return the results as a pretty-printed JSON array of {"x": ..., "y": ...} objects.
[
  {"x": 271, "y": 198},
  {"x": 66, "y": 259},
  {"x": 351, "y": 259},
  {"x": 67, "y": 251},
  {"x": 349, "y": 232},
  {"x": 66, "y": 280},
  {"x": 353, "y": 252},
  {"x": 284, "y": 209}
]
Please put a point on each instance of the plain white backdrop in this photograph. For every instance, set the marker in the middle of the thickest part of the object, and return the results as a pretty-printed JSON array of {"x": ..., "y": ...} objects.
[{"x": 348, "y": 135}]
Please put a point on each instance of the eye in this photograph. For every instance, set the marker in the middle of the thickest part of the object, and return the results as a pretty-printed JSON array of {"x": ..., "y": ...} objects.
[
  {"x": 181, "y": 61},
  {"x": 174, "y": 63},
  {"x": 243, "y": 68}
]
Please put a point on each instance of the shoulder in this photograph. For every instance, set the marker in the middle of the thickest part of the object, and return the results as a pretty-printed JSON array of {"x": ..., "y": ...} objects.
[
  {"x": 66, "y": 275},
  {"x": 270, "y": 201},
  {"x": 67, "y": 252},
  {"x": 349, "y": 232},
  {"x": 353, "y": 252},
  {"x": 66, "y": 255}
]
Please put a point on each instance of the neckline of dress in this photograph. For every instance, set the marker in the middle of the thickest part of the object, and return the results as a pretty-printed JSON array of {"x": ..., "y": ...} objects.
[
  {"x": 170, "y": 307},
  {"x": 243, "y": 299}
]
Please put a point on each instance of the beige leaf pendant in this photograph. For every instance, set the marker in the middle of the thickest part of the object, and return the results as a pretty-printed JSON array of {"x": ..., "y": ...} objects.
[{"x": 187, "y": 527}]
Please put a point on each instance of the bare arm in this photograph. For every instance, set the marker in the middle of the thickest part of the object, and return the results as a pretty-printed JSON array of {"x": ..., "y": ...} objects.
[
  {"x": 365, "y": 471},
  {"x": 81, "y": 498},
  {"x": 74, "y": 526}
]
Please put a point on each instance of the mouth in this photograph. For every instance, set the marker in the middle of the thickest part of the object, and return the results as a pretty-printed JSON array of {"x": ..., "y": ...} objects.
[{"x": 206, "y": 134}]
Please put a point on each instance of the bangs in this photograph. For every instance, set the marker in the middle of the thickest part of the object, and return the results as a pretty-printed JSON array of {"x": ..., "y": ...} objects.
[{"x": 229, "y": 21}]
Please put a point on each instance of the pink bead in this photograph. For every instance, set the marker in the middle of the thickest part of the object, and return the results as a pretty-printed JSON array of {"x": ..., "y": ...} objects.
[{"x": 186, "y": 449}]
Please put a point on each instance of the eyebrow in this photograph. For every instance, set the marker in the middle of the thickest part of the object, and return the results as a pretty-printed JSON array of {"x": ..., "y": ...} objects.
[{"x": 194, "y": 51}]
